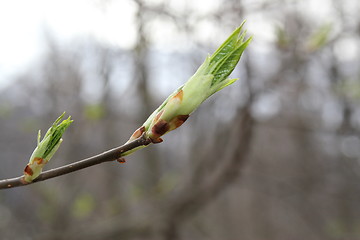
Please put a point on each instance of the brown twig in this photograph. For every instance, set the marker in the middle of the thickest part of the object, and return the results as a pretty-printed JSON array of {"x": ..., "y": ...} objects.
[{"x": 110, "y": 155}]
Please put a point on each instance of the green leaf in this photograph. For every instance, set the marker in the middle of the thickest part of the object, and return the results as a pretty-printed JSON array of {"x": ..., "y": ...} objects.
[
  {"x": 55, "y": 133},
  {"x": 94, "y": 112},
  {"x": 320, "y": 38},
  {"x": 83, "y": 205}
]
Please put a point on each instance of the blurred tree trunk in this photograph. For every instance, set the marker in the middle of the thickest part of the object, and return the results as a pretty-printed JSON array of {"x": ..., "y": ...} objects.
[{"x": 144, "y": 91}]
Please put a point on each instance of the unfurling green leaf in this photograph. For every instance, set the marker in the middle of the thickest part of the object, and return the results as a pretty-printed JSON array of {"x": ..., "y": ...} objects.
[
  {"x": 320, "y": 38},
  {"x": 46, "y": 148},
  {"x": 208, "y": 79}
]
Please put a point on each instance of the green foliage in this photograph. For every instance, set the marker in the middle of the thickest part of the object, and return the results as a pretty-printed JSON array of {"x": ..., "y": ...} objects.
[
  {"x": 282, "y": 37},
  {"x": 339, "y": 229},
  {"x": 5, "y": 110},
  {"x": 226, "y": 57},
  {"x": 94, "y": 112},
  {"x": 54, "y": 135},
  {"x": 320, "y": 37},
  {"x": 167, "y": 183},
  {"x": 83, "y": 205},
  {"x": 47, "y": 212},
  {"x": 350, "y": 89}
]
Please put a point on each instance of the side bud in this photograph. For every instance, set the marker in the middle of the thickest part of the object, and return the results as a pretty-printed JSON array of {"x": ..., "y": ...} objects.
[{"x": 46, "y": 148}]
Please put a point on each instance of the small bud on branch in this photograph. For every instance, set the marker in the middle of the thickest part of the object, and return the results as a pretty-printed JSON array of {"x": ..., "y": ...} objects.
[{"x": 46, "y": 148}]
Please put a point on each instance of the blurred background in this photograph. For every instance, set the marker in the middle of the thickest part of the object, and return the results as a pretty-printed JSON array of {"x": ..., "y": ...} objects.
[{"x": 274, "y": 156}]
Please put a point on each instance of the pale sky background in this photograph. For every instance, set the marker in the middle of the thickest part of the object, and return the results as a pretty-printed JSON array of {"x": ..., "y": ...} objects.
[{"x": 22, "y": 25}]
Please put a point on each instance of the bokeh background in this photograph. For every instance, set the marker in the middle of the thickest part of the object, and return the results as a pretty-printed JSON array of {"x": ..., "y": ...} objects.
[{"x": 274, "y": 156}]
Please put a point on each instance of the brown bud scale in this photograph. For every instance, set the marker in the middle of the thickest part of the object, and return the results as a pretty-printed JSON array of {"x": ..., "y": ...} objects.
[
  {"x": 121, "y": 160},
  {"x": 138, "y": 132},
  {"x": 28, "y": 170},
  {"x": 156, "y": 140},
  {"x": 157, "y": 117},
  {"x": 178, "y": 121},
  {"x": 160, "y": 128},
  {"x": 38, "y": 160},
  {"x": 179, "y": 95}
]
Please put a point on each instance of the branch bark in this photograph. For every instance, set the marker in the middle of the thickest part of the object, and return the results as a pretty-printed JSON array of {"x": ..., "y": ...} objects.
[{"x": 110, "y": 155}]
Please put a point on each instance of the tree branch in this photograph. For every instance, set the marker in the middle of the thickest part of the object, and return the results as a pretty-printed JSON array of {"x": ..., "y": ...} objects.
[
  {"x": 211, "y": 77},
  {"x": 110, "y": 155}
]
